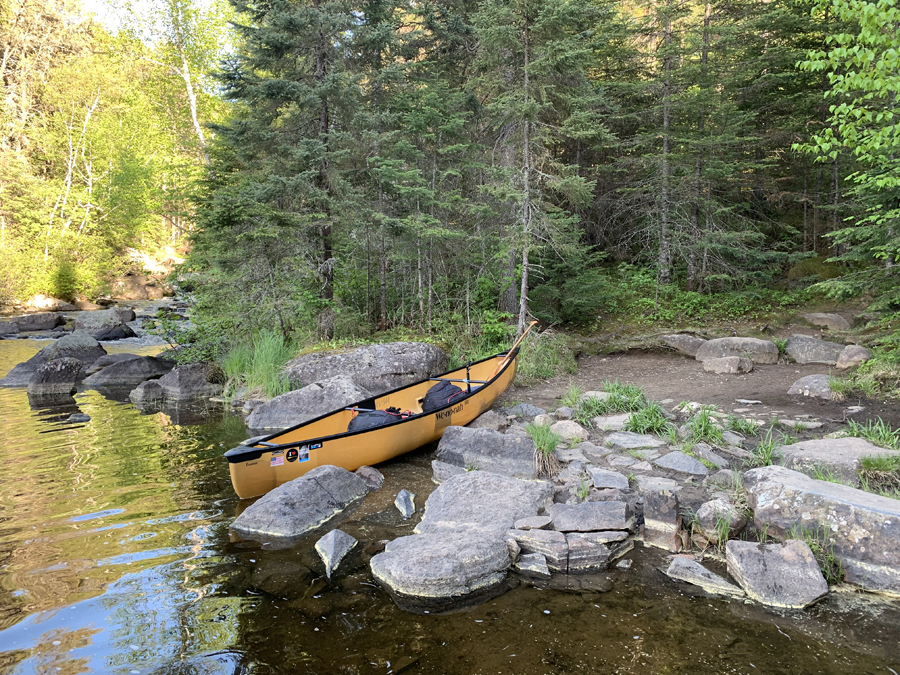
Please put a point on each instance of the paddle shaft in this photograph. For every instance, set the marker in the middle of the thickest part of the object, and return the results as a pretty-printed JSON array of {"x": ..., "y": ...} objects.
[{"x": 511, "y": 350}]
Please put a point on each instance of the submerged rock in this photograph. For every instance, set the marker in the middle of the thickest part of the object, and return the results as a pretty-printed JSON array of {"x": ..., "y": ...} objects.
[
  {"x": 58, "y": 376},
  {"x": 333, "y": 547},
  {"x": 373, "y": 477},
  {"x": 193, "y": 381},
  {"x": 684, "y": 568},
  {"x": 779, "y": 575},
  {"x": 405, "y": 503},
  {"x": 301, "y": 505}
]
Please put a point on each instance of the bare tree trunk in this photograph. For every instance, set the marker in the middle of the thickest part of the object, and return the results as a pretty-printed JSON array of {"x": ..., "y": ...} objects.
[
  {"x": 526, "y": 205},
  {"x": 665, "y": 236}
]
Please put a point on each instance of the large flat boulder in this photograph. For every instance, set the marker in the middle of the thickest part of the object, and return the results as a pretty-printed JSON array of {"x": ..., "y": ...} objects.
[
  {"x": 191, "y": 382},
  {"x": 827, "y": 320},
  {"x": 812, "y": 350},
  {"x": 375, "y": 368},
  {"x": 509, "y": 454},
  {"x": 301, "y": 505},
  {"x": 682, "y": 463},
  {"x": 863, "y": 529},
  {"x": 76, "y": 345},
  {"x": 458, "y": 554},
  {"x": 839, "y": 455},
  {"x": 484, "y": 501},
  {"x": 441, "y": 571},
  {"x": 683, "y": 343},
  {"x": 307, "y": 403},
  {"x": 129, "y": 372},
  {"x": 758, "y": 351},
  {"x": 38, "y": 321},
  {"x": 779, "y": 575}
]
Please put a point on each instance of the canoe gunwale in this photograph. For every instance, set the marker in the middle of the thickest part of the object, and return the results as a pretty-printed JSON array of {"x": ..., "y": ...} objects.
[{"x": 247, "y": 453}]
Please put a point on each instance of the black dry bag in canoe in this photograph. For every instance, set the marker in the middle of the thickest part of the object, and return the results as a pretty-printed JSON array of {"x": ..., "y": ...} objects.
[
  {"x": 371, "y": 419},
  {"x": 441, "y": 394}
]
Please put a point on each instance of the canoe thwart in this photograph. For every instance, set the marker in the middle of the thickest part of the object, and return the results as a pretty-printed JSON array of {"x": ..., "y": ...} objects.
[{"x": 459, "y": 379}]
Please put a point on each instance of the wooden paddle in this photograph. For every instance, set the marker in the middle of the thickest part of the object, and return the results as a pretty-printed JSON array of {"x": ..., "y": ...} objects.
[{"x": 503, "y": 363}]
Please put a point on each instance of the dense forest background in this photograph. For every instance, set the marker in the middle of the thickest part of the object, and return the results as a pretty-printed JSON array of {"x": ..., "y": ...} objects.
[{"x": 341, "y": 168}]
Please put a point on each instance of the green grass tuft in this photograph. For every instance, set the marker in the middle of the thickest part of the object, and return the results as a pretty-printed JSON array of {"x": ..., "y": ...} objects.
[
  {"x": 823, "y": 550},
  {"x": 648, "y": 420},
  {"x": 546, "y": 463},
  {"x": 877, "y": 432},
  {"x": 703, "y": 428},
  {"x": 766, "y": 451},
  {"x": 259, "y": 366},
  {"x": 742, "y": 425}
]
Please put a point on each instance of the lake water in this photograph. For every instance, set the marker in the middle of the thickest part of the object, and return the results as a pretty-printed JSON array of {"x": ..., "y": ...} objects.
[{"x": 115, "y": 557}]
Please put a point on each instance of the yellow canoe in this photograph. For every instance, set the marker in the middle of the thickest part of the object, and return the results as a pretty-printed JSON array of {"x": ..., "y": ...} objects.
[{"x": 288, "y": 454}]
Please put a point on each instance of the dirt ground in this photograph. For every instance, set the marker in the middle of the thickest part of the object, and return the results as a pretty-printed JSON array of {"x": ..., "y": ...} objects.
[{"x": 665, "y": 376}]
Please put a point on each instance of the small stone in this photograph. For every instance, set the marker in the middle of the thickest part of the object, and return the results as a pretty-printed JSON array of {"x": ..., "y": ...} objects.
[
  {"x": 569, "y": 430},
  {"x": 852, "y": 356},
  {"x": 333, "y": 547},
  {"x": 800, "y": 424},
  {"x": 655, "y": 484},
  {"x": 748, "y": 401},
  {"x": 603, "y": 478},
  {"x": 610, "y": 422},
  {"x": 543, "y": 420},
  {"x": 641, "y": 466},
  {"x": 564, "y": 413},
  {"x": 684, "y": 568},
  {"x": 682, "y": 463},
  {"x": 733, "y": 438},
  {"x": 566, "y": 454},
  {"x": 624, "y": 564},
  {"x": 705, "y": 452},
  {"x": 79, "y": 417},
  {"x": 622, "y": 461},
  {"x": 533, "y": 565},
  {"x": 626, "y": 440},
  {"x": 405, "y": 503},
  {"x": 525, "y": 410}
]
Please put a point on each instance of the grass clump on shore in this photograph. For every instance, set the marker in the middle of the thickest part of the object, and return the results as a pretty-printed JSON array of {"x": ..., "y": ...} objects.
[
  {"x": 648, "y": 420},
  {"x": 880, "y": 474},
  {"x": 877, "y": 432},
  {"x": 823, "y": 551},
  {"x": 766, "y": 451},
  {"x": 742, "y": 425},
  {"x": 546, "y": 463},
  {"x": 621, "y": 398},
  {"x": 703, "y": 427},
  {"x": 259, "y": 365}
]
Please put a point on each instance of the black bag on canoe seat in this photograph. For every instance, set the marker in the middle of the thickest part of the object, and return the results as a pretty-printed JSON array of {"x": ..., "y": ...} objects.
[
  {"x": 441, "y": 394},
  {"x": 371, "y": 419}
]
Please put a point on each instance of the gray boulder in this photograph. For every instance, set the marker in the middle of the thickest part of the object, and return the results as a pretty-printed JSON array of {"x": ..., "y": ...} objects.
[
  {"x": 533, "y": 565},
  {"x": 375, "y": 368},
  {"x": 863, "y": 529},
  {"x": 459, "y": 553},
  {"x": 589, "y": 516},
  {"x": 147, "y": 392},
  {"x": 484, "y": 501},
  {"x": 682, "y": 343},
  {"x": 779, "y": 575},
  {"x": 611, "y": 422},
  {"x": 852, "y": 356},
  {"x": 587, "y": 553},
  {"x": 510, "y": 454},
  {"x": 811, "y": 350},
  {"x": 405, "y": 503},
  {"x": 58, "y": 376},
  {"x": 77, "y": 345},
  {"x": 108, "y": 360},
  {"x": 839, "y": 455},
  {"x": 333, "y": 548},
  {"x": 682, "y": 463},
  {"x": 662, "y": 522},
  {"x": 826, "y": 320},
  {"x": 603, "y": 478},
  {"x": 105, "y": 324},
  {"x": 301, "y": 505},
  {"x": 193, "y": 381},
  {"x": 129, "y": 372},
  {"x": 490, "y": 420},
  {"x": 8, "y": 328},
  {"x": 37, "y": 321},
  {"x": 548, "y": 543},
  {"x": 441, "y": 471},
  {"x": 728, "y": 365},
  {"x": 307, "y": 403},
  {"x": 814, "y": 386},
  {"x": 442, "y": 571},
  {"x": 569, "y": 430},
  {"x": 758, "y": 351},
  {"x": 684, "y": 568}
]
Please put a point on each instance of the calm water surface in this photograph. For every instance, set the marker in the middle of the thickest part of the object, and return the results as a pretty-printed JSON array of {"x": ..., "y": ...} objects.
[{"x": 115, "y": 557}]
